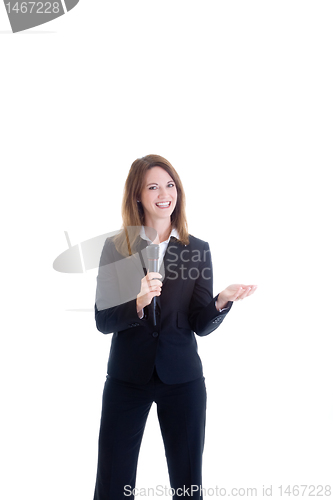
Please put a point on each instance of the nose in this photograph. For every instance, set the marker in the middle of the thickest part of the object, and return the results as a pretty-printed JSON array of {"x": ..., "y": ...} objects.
[{"x": 162, "y": 192}]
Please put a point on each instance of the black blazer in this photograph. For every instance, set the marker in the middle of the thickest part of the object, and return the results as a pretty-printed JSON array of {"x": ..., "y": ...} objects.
[{"x": 186, "y": 305}]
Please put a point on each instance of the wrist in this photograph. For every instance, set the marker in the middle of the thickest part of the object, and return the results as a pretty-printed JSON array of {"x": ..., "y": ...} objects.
[
  {"x": 139, "y": 305},
  {"x": 221, "y": 303}
]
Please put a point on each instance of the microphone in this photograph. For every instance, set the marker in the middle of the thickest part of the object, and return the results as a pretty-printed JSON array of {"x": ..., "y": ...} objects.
[{"x": 153, "y": 255}]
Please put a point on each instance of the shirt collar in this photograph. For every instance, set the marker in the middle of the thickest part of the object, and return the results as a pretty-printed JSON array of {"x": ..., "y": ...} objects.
[{"x": 174, "y": 233}]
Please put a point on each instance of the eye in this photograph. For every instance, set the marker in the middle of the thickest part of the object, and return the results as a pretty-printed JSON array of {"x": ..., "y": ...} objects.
[
  {"x": 152, "y": 187},
  {"x": 171, "y": 184}
]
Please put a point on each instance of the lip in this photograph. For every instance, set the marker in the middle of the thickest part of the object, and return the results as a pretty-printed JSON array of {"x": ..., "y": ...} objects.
[{"x": 168, "y": 206}]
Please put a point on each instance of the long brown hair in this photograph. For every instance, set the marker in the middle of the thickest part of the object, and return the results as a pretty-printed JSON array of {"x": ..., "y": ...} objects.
[{"x": 132, "y": 211}]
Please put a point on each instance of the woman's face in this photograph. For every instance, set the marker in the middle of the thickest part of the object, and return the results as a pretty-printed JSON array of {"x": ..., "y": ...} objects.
[{"x": 158, "y": 196}]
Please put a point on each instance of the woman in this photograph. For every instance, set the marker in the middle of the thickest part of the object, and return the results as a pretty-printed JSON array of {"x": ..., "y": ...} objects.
[{"x": 153, "y": 356}]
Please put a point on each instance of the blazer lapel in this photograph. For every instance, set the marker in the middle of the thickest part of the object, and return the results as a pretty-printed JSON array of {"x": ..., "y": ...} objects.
[
  {"x": 171, "y": 260},
  {"x": 140, "y": 256}
]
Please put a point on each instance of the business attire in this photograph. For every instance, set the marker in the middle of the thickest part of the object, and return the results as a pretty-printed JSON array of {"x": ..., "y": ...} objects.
[{"x": 158, "y": 363}]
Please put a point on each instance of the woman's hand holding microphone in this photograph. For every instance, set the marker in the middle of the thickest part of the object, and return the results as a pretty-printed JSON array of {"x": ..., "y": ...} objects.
[{"x": 150, "y": 287}]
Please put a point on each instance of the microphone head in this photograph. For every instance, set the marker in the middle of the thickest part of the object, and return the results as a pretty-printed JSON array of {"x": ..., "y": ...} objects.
[{"x": 153, "y": 252}]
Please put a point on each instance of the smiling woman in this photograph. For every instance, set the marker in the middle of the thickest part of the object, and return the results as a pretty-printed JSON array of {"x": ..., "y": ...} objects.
[
  {"x": 154, "y": 356},
  {"x": 158, "y": 198},
  {"x": 151, "y": 179}
]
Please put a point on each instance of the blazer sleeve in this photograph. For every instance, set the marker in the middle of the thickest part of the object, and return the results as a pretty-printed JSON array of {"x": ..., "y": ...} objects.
[
  {"x": 204, "y": 318},
  {"x": 118, "y": 283}
]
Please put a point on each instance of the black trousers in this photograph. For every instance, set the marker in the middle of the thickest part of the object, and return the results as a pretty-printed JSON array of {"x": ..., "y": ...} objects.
[{"x": 181, "y": 410}]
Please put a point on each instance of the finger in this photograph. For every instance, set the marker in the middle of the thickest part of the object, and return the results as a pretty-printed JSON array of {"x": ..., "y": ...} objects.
[
  {"x": 154, "y": 293},
  {"x": 149, "y": 297},
  {"x": 248, "y": 291},
  {"x": 152, "y": 275},
  {"x": 154, "y": 283},
  {"x": 253, "y": 289},
  {"x": 149, "y": 278},
  {"x": 244, "y": 295},
  {"x": 239, "y": 293}
]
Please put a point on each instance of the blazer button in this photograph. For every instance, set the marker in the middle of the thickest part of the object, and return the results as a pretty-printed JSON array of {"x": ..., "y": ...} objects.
[{"x": 155, "y": 334}]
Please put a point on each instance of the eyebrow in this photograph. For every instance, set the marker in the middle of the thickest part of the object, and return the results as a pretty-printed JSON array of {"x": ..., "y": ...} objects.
[{"x": 156, "y": 184}]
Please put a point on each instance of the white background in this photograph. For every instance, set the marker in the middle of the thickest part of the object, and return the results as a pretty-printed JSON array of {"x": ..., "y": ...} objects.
[{"x": 237, "y": 95}]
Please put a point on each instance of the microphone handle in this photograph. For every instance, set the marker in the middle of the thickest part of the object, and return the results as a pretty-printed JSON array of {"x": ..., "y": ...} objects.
[
  {"x": 153, "y": 256},
  {"x": 154, "y": 270}
]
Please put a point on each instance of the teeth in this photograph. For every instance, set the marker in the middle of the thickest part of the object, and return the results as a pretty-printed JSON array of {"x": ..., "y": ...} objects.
[{"x": 166, "y": 204}]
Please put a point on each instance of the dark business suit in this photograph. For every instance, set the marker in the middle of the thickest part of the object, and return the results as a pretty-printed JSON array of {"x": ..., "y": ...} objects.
[{"x": 154, "y": 363}]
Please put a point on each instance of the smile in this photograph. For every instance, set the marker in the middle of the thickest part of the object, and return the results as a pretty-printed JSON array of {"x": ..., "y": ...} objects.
[{"x": 164, "y": 204}]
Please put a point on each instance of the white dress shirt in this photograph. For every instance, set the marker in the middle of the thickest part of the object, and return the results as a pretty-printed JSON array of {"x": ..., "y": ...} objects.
[{"x": 162, "y": 246}]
